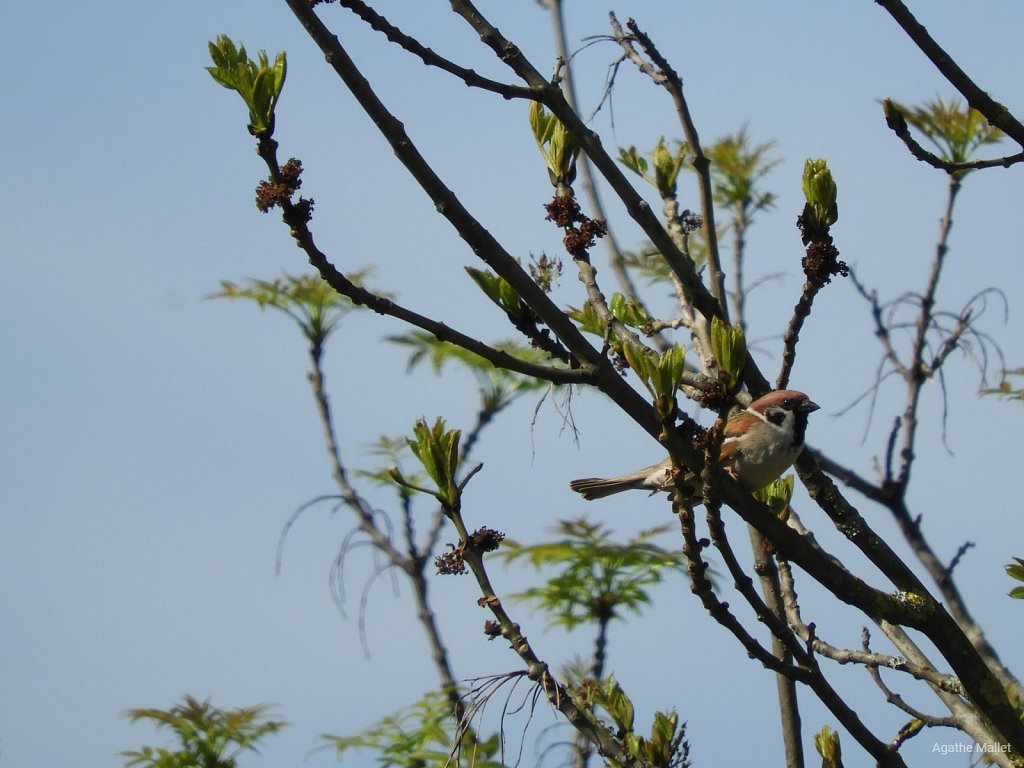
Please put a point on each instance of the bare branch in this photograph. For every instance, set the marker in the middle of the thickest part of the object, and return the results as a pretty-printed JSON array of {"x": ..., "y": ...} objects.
[
  {"x": 432, "y": 59},
  {"x": 997, "y": 114},
  {"x": 895, "y": 119},
  {"x": 864, "y": 657},
  {"x": 664, "y": 75},
  {"x": 637, "y": 208},
  {"x": 895, "y": 699},
  {"x": 807, "y": 670}
]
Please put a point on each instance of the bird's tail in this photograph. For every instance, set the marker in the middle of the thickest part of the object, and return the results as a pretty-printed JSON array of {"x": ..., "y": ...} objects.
[{"x": 598, "y": 487}]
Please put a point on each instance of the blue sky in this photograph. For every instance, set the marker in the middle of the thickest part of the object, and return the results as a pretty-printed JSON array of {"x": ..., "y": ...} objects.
[{"x": 155, "y": 443}]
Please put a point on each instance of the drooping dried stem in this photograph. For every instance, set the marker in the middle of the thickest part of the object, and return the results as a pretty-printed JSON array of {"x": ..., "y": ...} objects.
[{"x": 537, "y": 670}]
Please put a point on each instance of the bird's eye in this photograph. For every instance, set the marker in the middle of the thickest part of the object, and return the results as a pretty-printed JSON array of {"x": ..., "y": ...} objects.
[{"x": 789, "y": 402}]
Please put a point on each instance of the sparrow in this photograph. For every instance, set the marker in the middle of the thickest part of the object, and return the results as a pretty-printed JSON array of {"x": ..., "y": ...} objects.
[{"x": 760, "y": 443}]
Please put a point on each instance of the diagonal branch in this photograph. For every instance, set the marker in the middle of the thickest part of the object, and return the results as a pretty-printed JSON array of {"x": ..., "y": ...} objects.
[
  {"x": 806, "y": 670},
  {"x": 483, "y": 243},
  {"x": 637, "y": 208},
  {"x": 996, "y": 113},
  {"x": 894, "y": 698},
  {"x": 671, "y": 81},
  {"x": 896, "y": 121},
  {"x": 429, "y": 57}
]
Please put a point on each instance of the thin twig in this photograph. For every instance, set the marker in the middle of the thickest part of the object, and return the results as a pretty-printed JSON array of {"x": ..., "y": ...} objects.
[
  {"x": 896, "y": 121},
  {"x": 850, "y": 656},
  {"x": 792, "y": 334},
  {"x": 674, "y": 84},
  {"x": 429, "y": 57},
  {"x": 895, "y": 699}
]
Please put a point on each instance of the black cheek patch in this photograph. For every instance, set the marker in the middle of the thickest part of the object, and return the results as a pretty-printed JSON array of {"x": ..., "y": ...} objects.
[{"x": 776, "y": 416}]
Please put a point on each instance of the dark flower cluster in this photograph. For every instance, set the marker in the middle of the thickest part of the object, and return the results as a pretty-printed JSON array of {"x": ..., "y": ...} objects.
[
  {"x": 580, "y": 230},
  {"x": 276, "y": 193},
  {"x": 291, "y": 173},
  {"x": 698, "y": 436},
  {"x": 451, "y": 563},
  {"x": 821, "y": 261},
  {"x": 486, "y": 539},
  {"x": 711, "y": 395},
  {"x": 304, "y": 209},
  {"x": 270, "y": 194},
  {"x": 691, "y": 221}
]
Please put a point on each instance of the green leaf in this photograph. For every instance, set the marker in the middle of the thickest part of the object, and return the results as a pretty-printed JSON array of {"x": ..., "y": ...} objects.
[
  {"x": 280, "y": 73},
  {"x": 307, "y": 299},
  {"x": 628, "y": 311},
  {"x": 437, "y": 449},
  {"x": 666, "y": 163},
  {"x": 737, "y": 167},
  {"x": 262, "y": 94},
  {"x": 617, "y": 305},
  {"x": 541, "y": 123},
  {"x": 587, "y": 319},
  {"x": 820, "y": 191},
  {"x": 826, "y": 743},
  {"x": 419, "y": 735},
  {"x": 500, "y": 291},
  {"x": 1015, "y": 570},
  {"x": 225, "y": 77},
  {"x": 643, "y": 363},
  {"x": 667, "y": 166},
  {"x": 558, "y": 147},
  {"x": 730, "y": 349},
  {"x": 818, "y": 185},
  {"x": 258, "y": 82},
  {"x": 670, "y": 370},
  {"x": 660, "y": 374},
  {"x": 207, "y": 734},
  {"x": 596, "y": 579},
  {"x": 777, "y": 495},
  {"x": 635, "y": 162},
  {"x": 954, "y": 129},
  {"x": 608, "y": 694}
]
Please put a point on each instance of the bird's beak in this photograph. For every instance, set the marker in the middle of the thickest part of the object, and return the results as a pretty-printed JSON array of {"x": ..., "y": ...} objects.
[{"x": 809, "y": 406}]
